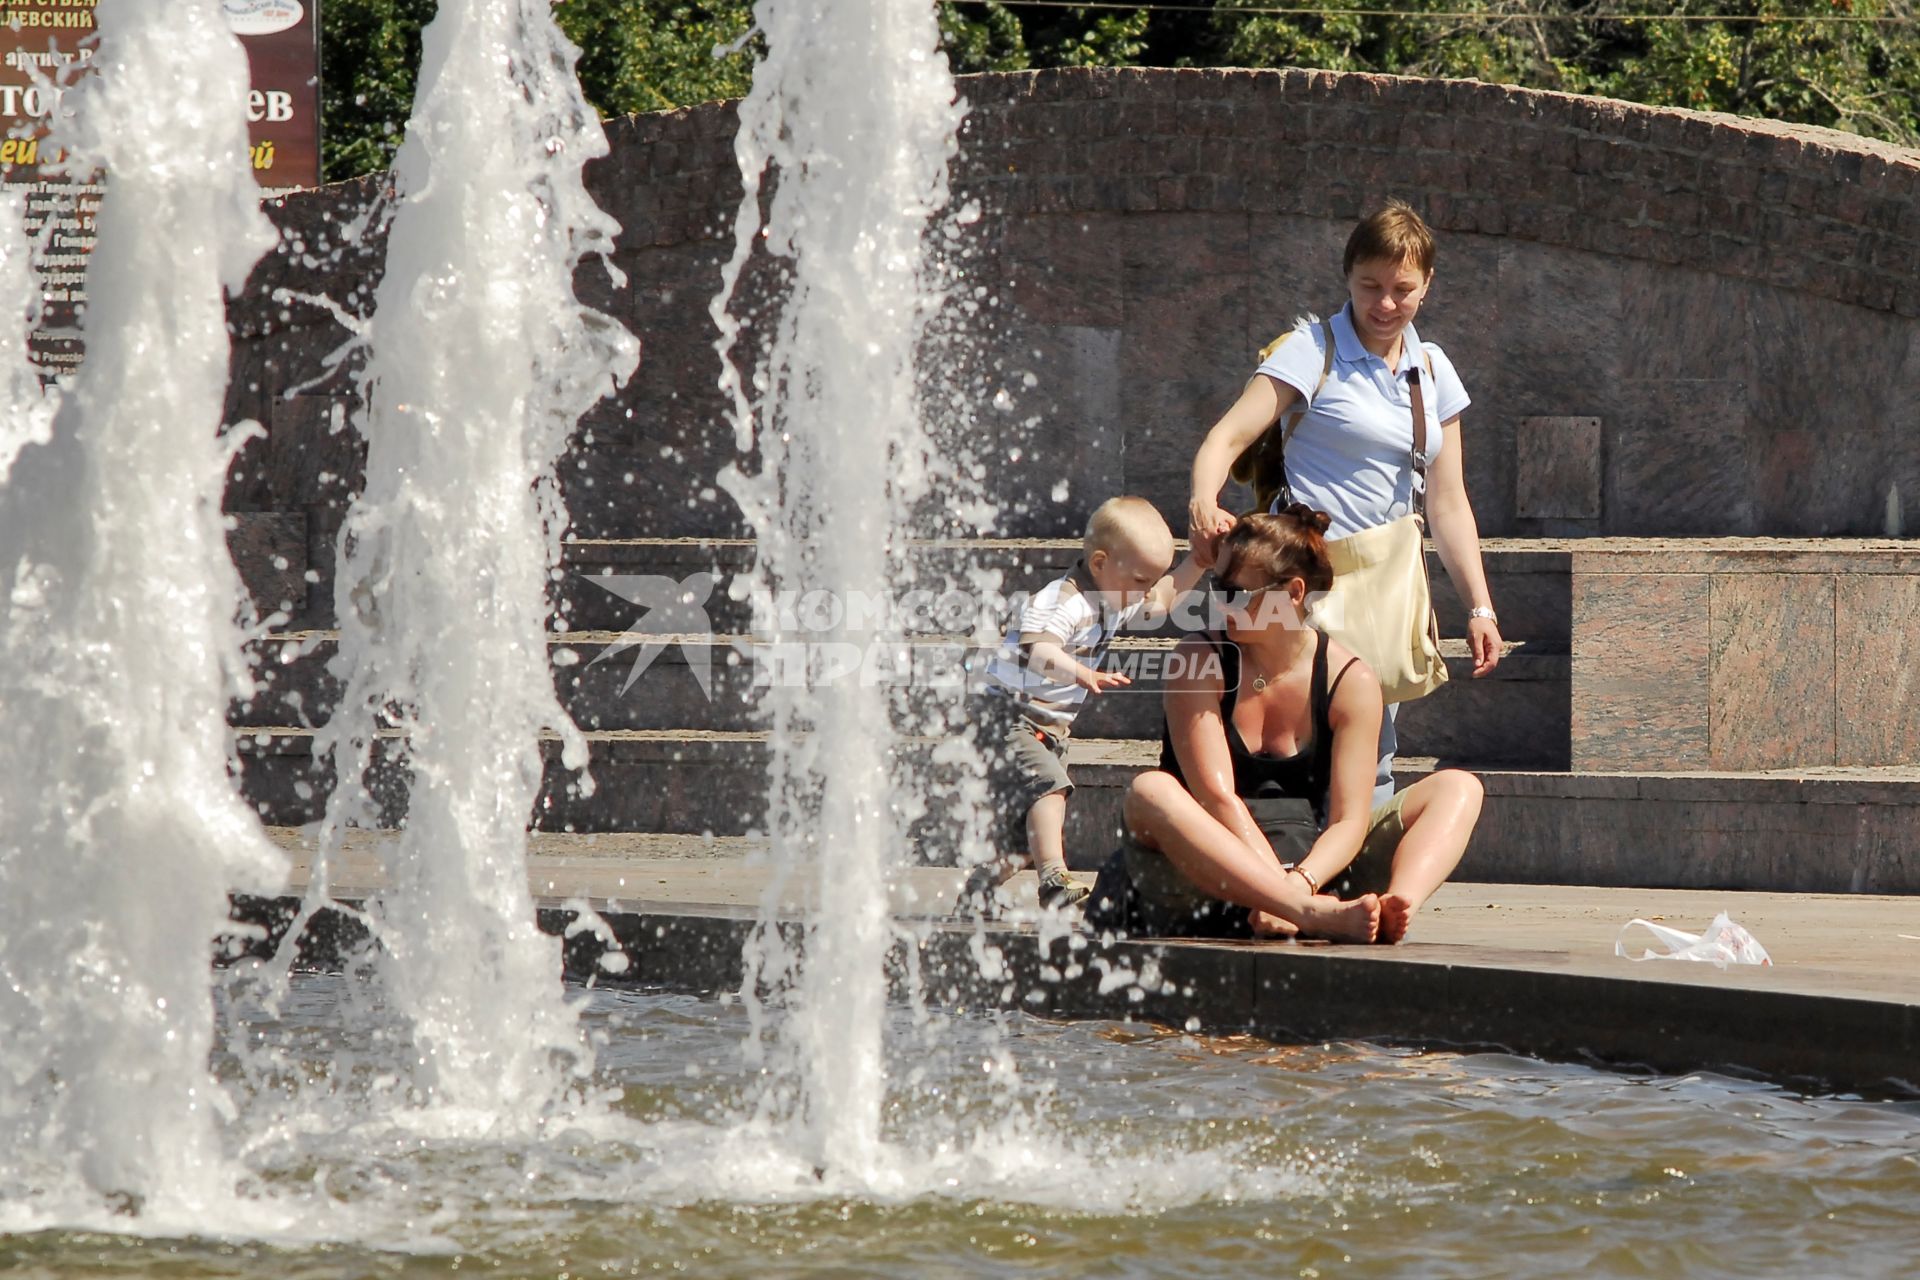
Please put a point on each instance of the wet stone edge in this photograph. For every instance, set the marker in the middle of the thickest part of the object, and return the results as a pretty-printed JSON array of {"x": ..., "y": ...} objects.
[{"x": 1285, "y": 994}]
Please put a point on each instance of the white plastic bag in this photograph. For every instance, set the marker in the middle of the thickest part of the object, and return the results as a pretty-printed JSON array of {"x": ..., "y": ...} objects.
[{"x": 1723, "y": 943}]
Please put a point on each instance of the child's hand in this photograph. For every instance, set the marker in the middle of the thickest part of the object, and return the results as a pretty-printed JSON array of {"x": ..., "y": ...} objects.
[{"x": 1100, "y": 681}]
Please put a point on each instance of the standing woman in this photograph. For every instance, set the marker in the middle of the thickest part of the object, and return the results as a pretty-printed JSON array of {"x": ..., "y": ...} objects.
[{"x": 1350, "y": 453}]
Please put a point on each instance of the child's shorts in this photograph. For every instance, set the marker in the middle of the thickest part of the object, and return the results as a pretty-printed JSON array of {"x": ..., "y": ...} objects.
[{"x": 1025, "y": 764}]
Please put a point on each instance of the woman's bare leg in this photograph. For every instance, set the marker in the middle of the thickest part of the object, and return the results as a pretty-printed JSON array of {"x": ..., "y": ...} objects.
[
  {"x": 1440, "y": 812},
  {"x": 1164, "y": 816}
]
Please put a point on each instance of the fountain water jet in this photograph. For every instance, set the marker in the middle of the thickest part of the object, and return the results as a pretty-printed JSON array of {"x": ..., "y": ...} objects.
[
  {"x": 835, "y": 419},
  {"x": 481, "y": 362},
  {"x": 120, "y": 829},
  {"x": 26, "y": 405}
]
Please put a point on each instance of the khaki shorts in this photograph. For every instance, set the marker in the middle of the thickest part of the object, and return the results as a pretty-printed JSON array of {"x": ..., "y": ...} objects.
[
  {"x": 1172, "y": 904},
  {"x": 1023, "y": 768}
]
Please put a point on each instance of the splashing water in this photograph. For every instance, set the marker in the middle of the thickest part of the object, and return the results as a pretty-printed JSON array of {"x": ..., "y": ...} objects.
[
  {"x": 120, "y": 830},
  {"x": 1896, "y": 522},
  {"x": 842, "y": 456},
  {"x": 26, "y": 406},
  {"x": 481, "y": 362}
]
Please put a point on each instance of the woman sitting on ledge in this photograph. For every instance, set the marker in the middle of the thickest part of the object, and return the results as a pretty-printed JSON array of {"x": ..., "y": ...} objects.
[{"x": 1213, "y": 833}]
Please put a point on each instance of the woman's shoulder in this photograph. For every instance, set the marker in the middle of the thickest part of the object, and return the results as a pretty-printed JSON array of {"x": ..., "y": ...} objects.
[
  {"x": 1201, "y": 661},
  {"x": 1438, "y": 359},
  {"x": 1298, "y": 356},
  {"x": 1197, "y": 644},
  {"x": 1355, "y": 678}
]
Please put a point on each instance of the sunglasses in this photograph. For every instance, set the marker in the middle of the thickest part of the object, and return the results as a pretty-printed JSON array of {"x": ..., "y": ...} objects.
[{"x": 1234, "y": 596}]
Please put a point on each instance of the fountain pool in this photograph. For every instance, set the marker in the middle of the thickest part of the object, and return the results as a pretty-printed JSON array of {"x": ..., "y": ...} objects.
[
  {"x": 915, "y": 1142},
  {"x": 1145, "y": 1153}
]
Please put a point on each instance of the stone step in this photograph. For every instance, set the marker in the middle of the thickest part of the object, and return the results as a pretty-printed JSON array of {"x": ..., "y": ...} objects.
[
  {"x": 1516, "y": 716},
  {"x": 1827, "y": 831},
  {"x": 1528, "y": 577},
  {"x": 1705, "y": 653}
]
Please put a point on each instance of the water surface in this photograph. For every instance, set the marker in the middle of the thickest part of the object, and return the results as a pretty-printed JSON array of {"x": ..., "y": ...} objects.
[{"x": 1034, "y": 1149}]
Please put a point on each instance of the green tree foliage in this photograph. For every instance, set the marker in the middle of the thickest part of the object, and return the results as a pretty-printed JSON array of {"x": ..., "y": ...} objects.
[
  {"x": 369, "y": 53},
  {"x": 1517, "y": 41},
  {"x": 1847, "y": 64},
  {"x": 644, "y": 55},
  {"x": 984, "y": 37},
  {"x": 993, "y": 37},
  {"x": 636, "y": 55},
  {"x": 1861, "y": 77}
]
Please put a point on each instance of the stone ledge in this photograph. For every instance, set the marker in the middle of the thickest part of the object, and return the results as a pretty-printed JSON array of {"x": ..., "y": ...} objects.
[
  {"x": 1798, "y": 1030},
  {"x": 1836, "y": 831},
  {"x": 1516, "y": 717}
]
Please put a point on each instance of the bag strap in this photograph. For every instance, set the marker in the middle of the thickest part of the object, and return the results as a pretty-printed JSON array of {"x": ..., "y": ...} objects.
[
  {"x": 1267, "y": 456},
  {"x": 1419, "y": 401},
  {"x": 1326, "y": 368},
  {"x": 1320, "y": 706}
]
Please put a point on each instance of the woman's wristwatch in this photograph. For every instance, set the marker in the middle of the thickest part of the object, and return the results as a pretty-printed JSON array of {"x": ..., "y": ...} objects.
[{"x": 1484, "y": 611}]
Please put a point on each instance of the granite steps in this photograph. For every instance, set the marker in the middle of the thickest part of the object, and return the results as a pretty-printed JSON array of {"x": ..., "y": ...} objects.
[{"x": 670, "y": 757}]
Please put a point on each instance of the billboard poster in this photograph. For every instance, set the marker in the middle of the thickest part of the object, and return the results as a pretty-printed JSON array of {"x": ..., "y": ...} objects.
[{"x": 47, "y": 44}]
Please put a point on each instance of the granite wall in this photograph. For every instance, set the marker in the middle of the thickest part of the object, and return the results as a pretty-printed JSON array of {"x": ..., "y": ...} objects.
[
  {"x": 1671, "y": 323},
  {"x": 1745, "y": 657}
]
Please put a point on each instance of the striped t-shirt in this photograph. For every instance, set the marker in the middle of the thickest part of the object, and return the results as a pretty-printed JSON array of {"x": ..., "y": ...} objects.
[{"x": 1067, "y": 611}]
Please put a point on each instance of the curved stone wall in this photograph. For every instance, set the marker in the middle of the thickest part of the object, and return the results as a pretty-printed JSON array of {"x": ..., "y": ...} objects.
[{"x": 1670, "y": 322}]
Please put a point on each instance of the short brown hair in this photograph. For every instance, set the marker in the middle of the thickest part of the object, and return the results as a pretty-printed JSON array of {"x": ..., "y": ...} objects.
[
  {"x": 1280, "y": 546},
  {"x": 1394, "y": 233}
]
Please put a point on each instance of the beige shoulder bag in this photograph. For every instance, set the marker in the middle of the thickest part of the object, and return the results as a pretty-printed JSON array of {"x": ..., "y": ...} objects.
[{"x": 1381, "y": 604}]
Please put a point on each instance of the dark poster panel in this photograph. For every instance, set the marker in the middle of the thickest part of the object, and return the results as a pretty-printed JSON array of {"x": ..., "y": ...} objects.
[
  {"x": 282, "y": 38},
  {"x": 40, "y": 46},
  {"x": 49, "y": 42}
]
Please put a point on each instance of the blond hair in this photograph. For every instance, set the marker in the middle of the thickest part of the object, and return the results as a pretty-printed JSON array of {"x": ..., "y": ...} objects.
[{"x": 1126, "y": 523}]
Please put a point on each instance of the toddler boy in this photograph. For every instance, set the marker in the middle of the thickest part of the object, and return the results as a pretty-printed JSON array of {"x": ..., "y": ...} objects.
[{"x": 1047, "y": 664}]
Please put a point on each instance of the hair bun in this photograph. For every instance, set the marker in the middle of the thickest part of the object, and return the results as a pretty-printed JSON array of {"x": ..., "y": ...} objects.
[{"x": 1318, "y": 521}]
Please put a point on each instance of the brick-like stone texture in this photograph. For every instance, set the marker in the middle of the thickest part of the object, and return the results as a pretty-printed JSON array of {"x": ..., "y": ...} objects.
[{"x": 1142, "y": 232}]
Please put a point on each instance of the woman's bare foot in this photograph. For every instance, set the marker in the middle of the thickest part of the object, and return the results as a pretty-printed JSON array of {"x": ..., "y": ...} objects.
[
  {"x": 1267, "y": 925},
  {"x": 1396, "y": 913},
  {"x": 1355, "y": 921}
]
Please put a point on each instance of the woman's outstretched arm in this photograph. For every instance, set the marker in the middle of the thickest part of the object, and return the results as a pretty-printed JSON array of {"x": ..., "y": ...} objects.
[
  {"x": 1456, "y": 536},
  {"x": 1260, "y": 405}
]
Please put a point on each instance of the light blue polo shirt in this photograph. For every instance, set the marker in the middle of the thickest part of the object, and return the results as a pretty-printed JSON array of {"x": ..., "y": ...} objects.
[{"x": 1350, "y": 456}]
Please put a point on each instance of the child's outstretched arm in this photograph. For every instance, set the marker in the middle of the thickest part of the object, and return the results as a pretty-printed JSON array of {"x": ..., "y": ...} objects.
[
  {"x": 1046, "y": 657},
  {"x": 1171, "y": 586}
]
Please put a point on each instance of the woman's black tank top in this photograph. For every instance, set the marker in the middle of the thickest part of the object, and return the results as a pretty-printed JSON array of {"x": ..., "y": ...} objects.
[{"x": 1304, "y": 775}]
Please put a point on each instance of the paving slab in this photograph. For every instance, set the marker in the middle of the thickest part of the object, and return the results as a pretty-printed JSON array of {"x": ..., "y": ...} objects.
[{"x": 1855, "y": 944}]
